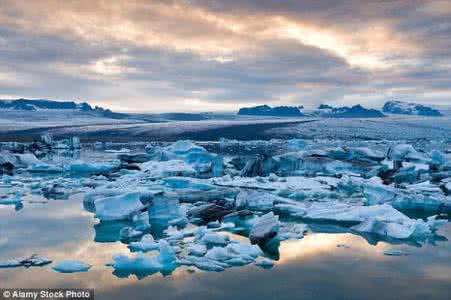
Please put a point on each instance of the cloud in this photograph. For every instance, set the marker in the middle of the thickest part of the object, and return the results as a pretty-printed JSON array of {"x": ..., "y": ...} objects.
[{"x": 197, "y": 55}]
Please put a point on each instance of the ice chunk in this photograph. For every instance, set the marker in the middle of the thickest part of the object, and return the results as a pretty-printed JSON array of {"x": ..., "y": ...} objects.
[
  {"x": 394, "y": 252},
  {"x": 206, "y": 264},
  {"x": 401, "y": 228},
  {"x": 142, "y": 265},
  {"x": 255, "y": 200},
  {"x": 264, "y": 263},
  {"x": 173, "y": 233},
  {"x": 164, "y": 208},
  {"x": 95, "y": 168},
  {"x": 122, "y": 150},
  {"x": 197, "y": 249},
  {"x": 264, "y": 229},
  {"x": 71, "y": 266},
  {"x": 119, "y": 207},
  {"x": 296, "y": 144},
  {"x": 141, "y": 221},
  {"x": 292, "y": 231},
  {"x": 128, "y": 233},
  {"x": 405, "y": 152},
  {"x": 45, "y": 168},
  {"x": 209, "y": 212},
  {"x": 160, "y": 169},
  {"x": 14, "y": 200},
  {"x": 27, "y": 159},
  {"x": 32, "y": 261},
  {"x": 184, "y": 147},
  {"x": 234, "y": 254},
  {"x": 134, "y": 158},
  {"x": 147, "y": 243},
  {"x": 211, "y": 238}
]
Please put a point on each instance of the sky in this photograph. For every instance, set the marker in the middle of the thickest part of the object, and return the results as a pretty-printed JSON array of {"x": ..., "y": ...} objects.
[{"x": 212, "y": 55}]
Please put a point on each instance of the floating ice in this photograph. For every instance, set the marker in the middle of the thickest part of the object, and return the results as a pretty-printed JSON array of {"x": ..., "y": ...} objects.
[
  {"x": 211, "y": 238},
  {"x": 71, "y": 266},
  {"x": 265, "y": 263},
  {"x": 32, "y": 261},
  {"x": 161, "y": 169},
  {"x": 94, "y": 168},
  {"x": 142, "y": 265},
  {"x": 394, "y": 252},
  {"x": 264, "y": 229},
  {"x": 118, "y": 207},
  {"x": 147, "y": 243},
  {"x": 45, "y": 168}
]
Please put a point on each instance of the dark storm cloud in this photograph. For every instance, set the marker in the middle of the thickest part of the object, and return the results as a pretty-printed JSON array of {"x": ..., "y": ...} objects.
[{"x": 218, "y": 55}]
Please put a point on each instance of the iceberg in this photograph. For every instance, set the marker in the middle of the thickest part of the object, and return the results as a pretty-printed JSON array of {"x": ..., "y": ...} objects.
[
  {"x": 197, "y": 249},
  {"x": 211, "y": 238},
  {"x": 264, "y": 229},
  {"x": 255, "y": 200},
  {"x": 71, "y": 266},
  {"x": 161, "y": 169},
  {"x": 32, "y": 261},
  {"x": 142, "y": 265},
  {"x": 394, "y": 252},
  {"x": 94, "y": 168},
  {"x": 264, "y": 263},
  {"x": 146, "y": 244},
  {"x": 45, "y": 168},
  {"x": 118, "y": 207}
]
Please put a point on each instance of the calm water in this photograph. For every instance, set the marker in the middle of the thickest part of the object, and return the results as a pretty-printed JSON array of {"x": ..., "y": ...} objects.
[{"x": 312, "y": 268}]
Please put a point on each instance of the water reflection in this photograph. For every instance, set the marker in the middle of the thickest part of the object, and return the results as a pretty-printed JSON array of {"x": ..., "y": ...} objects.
[{"x": 311, "y": 268}]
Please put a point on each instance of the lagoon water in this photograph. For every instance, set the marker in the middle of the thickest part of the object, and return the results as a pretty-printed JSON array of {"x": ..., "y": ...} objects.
[
  {"x": 311, "y": 268},
  {"x": 328, "y": 263}
]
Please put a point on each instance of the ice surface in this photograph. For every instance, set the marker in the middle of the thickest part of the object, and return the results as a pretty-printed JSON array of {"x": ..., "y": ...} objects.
[
  {"x": 142, "y": 265},
  {"x": 71, "y": 266},
  {"x": 118, "y": 207},
  {"x": 32, "y": 261},
  {"x": 147, "y": 243},
  {"x": 264, "y": 229}
]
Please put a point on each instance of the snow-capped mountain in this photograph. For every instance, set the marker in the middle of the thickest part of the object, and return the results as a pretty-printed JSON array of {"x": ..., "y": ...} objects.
[
  {"x": 44, "y": 104},
  {"x": 356, "y": 111},
  {"x": 407, "y": 108}
]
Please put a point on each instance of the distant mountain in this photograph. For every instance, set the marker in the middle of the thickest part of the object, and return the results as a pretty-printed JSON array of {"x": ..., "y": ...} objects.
[
  {"x": 44, "y": 104},
  {"x": 356, "y": 111},
  {"x": 406, "y": 108},
  {"x": 277, "y": 111},
  {"x": 324, "y": 106}
]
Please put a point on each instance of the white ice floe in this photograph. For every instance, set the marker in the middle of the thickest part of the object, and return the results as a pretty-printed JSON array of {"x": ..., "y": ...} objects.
[
  {"x": 161, "y": 169},
  {"x": 142, "y": 264},
  {"x": 212, "y": 238},
  {"x": 264, "y": 262},
  {"x": 264, "y": 229},
  {"x": 146, "y": 244},
  {"x": 71, "y": 266},
  {"x": 32, "y": 261},
  {"x": 45, "y": 168},
  {"x": 394, "y": 252},
  {"x": 118, "y": 207},
  {"x": 197, "y": 249},
  {"x": 96, "y": 168}
]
